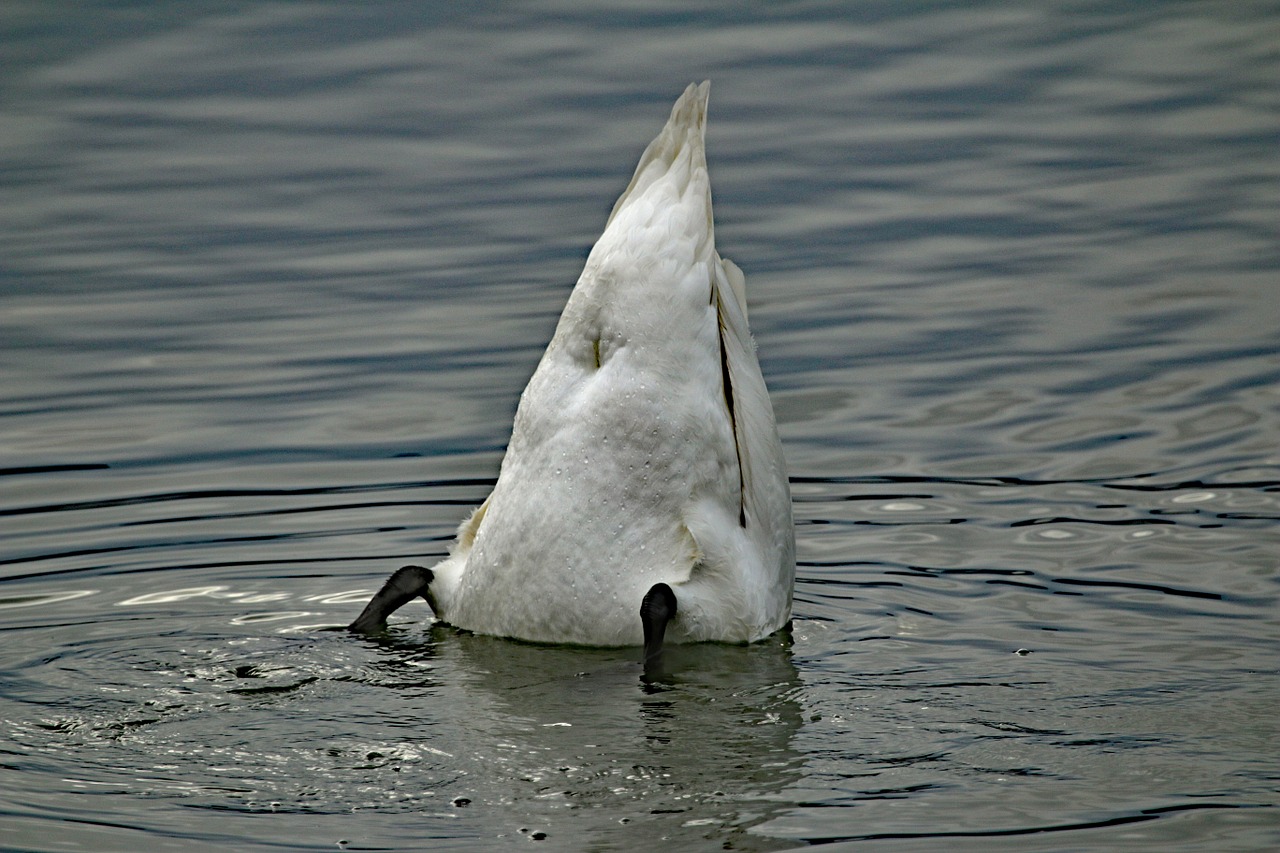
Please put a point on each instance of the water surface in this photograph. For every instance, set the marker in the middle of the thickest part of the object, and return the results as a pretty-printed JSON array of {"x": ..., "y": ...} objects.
[{"x": 273, "y": 276}]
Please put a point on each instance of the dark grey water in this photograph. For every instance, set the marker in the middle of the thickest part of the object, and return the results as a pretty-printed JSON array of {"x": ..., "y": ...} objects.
[{"x": 273, "y": 275}]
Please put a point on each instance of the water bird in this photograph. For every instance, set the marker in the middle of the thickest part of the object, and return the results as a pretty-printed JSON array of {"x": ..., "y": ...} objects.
[{"x": 643, "y": 496}]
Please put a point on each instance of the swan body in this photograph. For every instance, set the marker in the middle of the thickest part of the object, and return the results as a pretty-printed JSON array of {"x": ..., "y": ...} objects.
[{"x": 644, "y": 451}]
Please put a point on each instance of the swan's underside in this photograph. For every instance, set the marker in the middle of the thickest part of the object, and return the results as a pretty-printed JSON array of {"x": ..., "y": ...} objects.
[{"x": 643, "y": 496}]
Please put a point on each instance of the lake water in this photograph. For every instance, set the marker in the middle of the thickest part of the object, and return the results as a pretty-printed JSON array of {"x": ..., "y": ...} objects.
[{"x": 272, "y": 277}]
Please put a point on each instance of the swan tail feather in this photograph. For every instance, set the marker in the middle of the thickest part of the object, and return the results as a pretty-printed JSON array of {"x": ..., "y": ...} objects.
[{"x": 683, "y": 136}]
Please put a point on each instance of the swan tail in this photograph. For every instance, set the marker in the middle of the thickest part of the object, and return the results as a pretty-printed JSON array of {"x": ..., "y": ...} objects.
[{"x": 680, "y": 146}]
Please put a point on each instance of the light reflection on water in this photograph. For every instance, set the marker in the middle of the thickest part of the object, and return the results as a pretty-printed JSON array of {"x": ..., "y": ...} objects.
[{"x": 271, "y": 280}]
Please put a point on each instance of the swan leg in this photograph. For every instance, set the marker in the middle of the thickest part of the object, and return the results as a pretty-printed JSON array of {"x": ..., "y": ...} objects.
[
  {"x": 656, "y": 610},
  {"x": 402, "y": 587}
]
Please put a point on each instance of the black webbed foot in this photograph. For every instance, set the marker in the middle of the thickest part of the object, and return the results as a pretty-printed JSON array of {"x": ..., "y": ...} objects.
[
  {"x": 402, "y": 587},
  {"x": 657, "y": 609}
]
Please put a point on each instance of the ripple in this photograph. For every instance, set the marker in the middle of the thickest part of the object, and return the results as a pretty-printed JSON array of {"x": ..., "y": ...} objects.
[
  {"x": 254, "y": 618},
  {"x": 1194, "y": 498},
  {"x": 1215, "y": 420},
  {"x": 902, "y": 506},
  {"x": 41, "y": 599},
  {"x": 354, "y": 596},
  {"x": 173, "y": 596},
  {"x": 1077, "y": 429}
]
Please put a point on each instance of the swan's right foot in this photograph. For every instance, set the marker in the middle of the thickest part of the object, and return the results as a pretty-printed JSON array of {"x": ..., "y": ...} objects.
[
  {"x": 657, "y": 609},
  {"x": 402, "y": 587}
]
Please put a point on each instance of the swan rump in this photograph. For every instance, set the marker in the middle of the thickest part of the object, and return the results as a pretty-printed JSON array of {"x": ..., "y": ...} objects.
[{"x": 644, "y": 451}]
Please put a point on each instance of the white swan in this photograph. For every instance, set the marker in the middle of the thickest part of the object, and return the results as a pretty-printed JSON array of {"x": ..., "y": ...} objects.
[{"x": 643, "y": 493}]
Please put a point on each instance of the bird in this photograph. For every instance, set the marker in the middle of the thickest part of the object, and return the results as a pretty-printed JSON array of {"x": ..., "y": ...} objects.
[{"x": 643, "y": 497}]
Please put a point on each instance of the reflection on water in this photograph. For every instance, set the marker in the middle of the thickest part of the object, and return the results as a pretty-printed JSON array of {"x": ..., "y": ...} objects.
[
  {"x": 571, "y": 744},
  {"x": 272, "y": 278}
]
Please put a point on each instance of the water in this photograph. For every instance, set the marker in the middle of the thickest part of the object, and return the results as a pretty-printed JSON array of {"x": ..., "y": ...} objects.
[{"x": 273, "y": 276}]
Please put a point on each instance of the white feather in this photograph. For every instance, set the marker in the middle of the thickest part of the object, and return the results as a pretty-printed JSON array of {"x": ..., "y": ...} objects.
[{"x": 630, "y": 461}]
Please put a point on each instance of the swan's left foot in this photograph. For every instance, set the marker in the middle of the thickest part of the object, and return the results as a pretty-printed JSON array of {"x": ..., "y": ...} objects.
[
  {"x": 657, "y": 609},
  {"x": 401, "y": 588}
]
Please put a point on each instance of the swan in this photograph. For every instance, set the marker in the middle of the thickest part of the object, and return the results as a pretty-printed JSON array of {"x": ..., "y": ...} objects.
[{"x": 643, "y": 496}]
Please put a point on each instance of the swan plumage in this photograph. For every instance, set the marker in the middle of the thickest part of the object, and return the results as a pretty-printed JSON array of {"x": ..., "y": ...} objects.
[{"x": 644, "y": 449}]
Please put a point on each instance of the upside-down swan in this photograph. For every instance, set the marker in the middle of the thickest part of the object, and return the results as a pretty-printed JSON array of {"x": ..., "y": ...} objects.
[{"x": 643, "y": 495}]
